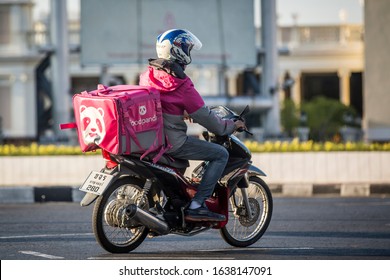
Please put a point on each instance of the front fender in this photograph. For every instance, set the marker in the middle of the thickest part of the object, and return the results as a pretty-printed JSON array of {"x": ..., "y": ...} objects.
[{"x": 253, "y": 170}]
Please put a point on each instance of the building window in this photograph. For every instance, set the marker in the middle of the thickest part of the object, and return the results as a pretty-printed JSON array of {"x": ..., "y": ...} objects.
[
  {"x": 5, "y": 25},
  {"x": 320, "y": 84},
  {"x": 356, "y": 83}
]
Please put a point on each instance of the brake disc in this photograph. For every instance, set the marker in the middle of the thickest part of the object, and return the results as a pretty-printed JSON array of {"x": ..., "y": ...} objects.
[{"x": 255, "y": 209}]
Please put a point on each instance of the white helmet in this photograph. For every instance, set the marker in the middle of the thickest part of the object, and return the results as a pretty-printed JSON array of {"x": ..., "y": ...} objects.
[{"x": 176, "y": 44}]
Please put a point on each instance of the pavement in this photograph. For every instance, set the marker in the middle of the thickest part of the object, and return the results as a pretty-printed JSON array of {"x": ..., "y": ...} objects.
[{"x": 41, "y": 194}]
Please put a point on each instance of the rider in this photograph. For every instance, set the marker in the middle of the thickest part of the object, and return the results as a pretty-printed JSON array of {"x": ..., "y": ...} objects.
[{"x": 180, "y": 100}]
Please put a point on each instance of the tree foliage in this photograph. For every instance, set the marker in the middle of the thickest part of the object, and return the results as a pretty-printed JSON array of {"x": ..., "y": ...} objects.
[
  {"x": 325, "y": 117},
  {"x": 289, "y": 117}
]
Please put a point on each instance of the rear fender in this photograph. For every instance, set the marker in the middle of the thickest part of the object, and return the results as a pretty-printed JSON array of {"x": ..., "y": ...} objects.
[
  {"x": 119, "y": 172},
  {"x": 88, "y": 199}
]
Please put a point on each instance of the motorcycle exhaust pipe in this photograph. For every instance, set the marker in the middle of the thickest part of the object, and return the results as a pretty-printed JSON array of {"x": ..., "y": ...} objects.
[{"x": 147, "y": 219}]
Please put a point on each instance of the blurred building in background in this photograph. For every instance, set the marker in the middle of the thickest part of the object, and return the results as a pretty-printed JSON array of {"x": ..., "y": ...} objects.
[
  {"x": 376, "y": 119},
  {"x": 313, "y": 61},
  {"x": 324, "y": 60},
  {"x": 18, "y": 61}
]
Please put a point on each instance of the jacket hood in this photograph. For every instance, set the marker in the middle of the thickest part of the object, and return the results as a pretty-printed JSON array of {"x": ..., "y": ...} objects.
[{"x": 163, "y": 76}]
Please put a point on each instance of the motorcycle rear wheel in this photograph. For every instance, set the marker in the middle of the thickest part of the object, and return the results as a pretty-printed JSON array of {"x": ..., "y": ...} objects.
[
  {"x": 112, "y": 236},
  {"x": 241, "y": 230}
]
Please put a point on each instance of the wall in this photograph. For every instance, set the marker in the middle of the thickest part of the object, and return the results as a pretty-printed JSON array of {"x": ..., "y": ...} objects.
[{"x": 288, "y": 173}]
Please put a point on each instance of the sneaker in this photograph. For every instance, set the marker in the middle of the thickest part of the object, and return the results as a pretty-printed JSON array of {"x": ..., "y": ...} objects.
[{"x": 202, "y": 214}]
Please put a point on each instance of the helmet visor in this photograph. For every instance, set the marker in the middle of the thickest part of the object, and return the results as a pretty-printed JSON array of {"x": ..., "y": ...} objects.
[{"x": 195, "y": 42}]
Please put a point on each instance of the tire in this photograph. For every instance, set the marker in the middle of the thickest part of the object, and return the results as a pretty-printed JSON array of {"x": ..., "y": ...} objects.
[
  {"x": 241, "y": 231},
  {"x": 111, "y": 236}
]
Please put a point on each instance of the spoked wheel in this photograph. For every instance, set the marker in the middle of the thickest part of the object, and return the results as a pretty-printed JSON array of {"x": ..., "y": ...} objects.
[
  {"x": 112, "y": 230},
  {"x": 243, "y": 230}
]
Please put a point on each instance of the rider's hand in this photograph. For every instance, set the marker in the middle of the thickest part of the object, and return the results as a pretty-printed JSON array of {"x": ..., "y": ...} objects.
[
  {"x": 240, "y": 125},
  {"x": 187, "y": 117}
]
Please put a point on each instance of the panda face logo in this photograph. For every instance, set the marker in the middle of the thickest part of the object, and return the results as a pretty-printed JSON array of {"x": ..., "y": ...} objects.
[
  {"x": 142, "y": 110},
  {"x": 92, "y": 124}
]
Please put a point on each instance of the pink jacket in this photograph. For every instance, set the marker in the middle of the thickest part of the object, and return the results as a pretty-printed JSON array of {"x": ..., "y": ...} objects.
[{"x": 178, "y": 96}]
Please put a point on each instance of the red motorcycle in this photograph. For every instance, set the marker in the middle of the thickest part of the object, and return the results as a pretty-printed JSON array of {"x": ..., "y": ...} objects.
[{"x": 136, "y": 198}]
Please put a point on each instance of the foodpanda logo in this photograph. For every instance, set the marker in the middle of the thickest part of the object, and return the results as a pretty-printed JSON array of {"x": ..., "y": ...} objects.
[
  {"x": 92, "y": 124},
  {"x": 142, "y": 121}
]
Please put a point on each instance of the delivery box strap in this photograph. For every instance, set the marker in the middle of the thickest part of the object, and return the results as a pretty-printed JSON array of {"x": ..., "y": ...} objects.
[
  {"x": 162, "y": 151},
  {"x": 102, "y": 89},
  {"x": 157, "y": 142},
  {"x": 68, "y": 125}
]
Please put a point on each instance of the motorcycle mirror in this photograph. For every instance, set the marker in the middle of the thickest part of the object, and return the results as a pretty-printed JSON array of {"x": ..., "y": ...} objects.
[{"x": 245, "y": 111}]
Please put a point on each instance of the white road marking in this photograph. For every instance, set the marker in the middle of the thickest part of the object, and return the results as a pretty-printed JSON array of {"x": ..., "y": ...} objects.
[
  {"x": 262, "y": 249},
  {"x": 37, "y": 254},
  {"x": 46, "y": 235},
  {"x": 374, "y": 203},
  {"x": 157, "y": 258}
]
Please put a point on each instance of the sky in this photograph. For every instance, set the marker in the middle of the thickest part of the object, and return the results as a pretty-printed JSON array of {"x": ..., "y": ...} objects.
[{"x": 306, "y": 12}]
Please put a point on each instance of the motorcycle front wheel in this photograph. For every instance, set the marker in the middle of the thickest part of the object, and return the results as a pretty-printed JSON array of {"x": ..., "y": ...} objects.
[
  {"x": 111, "y": 232},
  {"x": 242, "y": 230}
]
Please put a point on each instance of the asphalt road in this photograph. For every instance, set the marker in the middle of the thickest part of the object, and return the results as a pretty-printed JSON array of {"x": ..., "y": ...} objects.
[{"x": 301, "y": 228}]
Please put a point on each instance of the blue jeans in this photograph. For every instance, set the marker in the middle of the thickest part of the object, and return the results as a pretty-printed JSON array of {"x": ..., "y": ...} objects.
[{"x": 216, "y": 155}]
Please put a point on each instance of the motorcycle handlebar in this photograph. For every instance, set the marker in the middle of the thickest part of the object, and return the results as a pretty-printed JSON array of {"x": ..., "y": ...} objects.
[{"x": 245, "y": 130}]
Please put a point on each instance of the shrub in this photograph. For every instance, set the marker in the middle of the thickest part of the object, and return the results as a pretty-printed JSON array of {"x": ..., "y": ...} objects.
[
  {"x": 289, "y": 117},
  {"x": 35, "y": 149},
  {"x": 311, "y": 146},
  {"x": 256, "y": 147},
  {"x": 325, "y": 117}
]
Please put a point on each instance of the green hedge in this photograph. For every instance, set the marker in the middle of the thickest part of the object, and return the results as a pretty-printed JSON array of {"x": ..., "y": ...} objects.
[
  {"x": 310, "y": 146},
  {"x": 42, "y": 150},
  {"x": 275, "y": 146}
]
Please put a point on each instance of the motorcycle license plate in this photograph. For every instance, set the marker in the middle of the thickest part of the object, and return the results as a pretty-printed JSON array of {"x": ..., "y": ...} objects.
[{"x": 96, "y": 183}]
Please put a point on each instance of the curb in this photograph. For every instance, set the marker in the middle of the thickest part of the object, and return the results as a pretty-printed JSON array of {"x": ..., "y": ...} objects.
[
  {"x": 40, "y": 194},
  {"x": 341, "y": 190},
  {"x": 28, "y": 194}
]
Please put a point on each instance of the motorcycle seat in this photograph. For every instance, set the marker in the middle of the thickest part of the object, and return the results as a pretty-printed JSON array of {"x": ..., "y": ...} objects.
[{"x": 170, "y": 161}]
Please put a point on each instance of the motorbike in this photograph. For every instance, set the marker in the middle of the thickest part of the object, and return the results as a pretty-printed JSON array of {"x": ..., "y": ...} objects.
[{"x": 135, "y": 198}]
